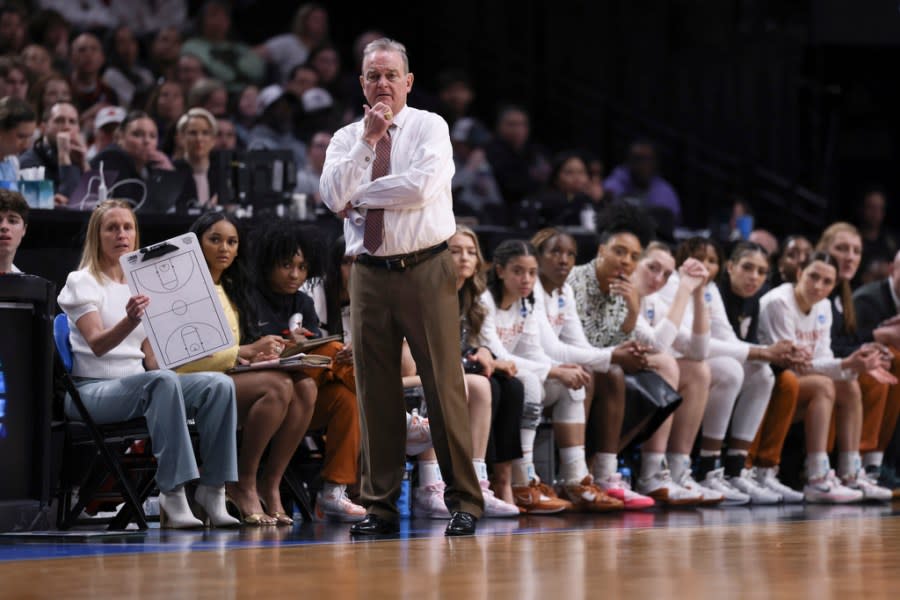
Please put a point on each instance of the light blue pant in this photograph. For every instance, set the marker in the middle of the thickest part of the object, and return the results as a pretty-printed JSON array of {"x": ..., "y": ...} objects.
[{"x": 167, "y": 401}]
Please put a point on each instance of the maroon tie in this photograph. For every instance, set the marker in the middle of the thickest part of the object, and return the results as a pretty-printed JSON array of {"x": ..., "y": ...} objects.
[{"x": 373, "y": 234}]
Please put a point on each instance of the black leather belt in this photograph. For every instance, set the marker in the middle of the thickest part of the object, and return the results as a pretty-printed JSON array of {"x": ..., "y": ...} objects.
[{"x": 400, "y": 262}]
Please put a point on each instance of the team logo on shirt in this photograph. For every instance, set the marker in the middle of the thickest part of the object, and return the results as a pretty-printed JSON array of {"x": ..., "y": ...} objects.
[
  {"x": 650, "y": 314},
  {"x": 707, "y": 296},
  {"x": 821, "y": 319},
  {"x": 561, "y": 302}
]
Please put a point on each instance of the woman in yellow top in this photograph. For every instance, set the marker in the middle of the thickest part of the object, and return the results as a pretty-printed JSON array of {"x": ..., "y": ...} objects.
[{"x": 271, "y": 406}]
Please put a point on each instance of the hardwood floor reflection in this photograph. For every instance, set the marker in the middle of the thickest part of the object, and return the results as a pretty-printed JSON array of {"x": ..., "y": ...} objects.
[{"x": 832, "y": 558}]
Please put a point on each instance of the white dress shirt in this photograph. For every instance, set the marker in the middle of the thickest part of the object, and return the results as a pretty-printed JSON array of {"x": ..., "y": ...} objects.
[{"x": 415, "y": 193}]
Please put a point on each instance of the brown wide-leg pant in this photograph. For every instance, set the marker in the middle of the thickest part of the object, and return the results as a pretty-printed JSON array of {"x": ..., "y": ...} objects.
[
  {"x": 420, "y": 304},
  {"x": 881, "y": 407},
  {"x": 766, "y": 448}
]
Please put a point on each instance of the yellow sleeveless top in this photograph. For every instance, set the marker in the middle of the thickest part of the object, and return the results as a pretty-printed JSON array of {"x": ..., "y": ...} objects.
[{"x": 222, "y": 360}]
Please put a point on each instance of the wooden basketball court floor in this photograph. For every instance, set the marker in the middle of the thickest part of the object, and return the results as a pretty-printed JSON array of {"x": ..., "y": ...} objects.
[{"x": 743, "y": 552}]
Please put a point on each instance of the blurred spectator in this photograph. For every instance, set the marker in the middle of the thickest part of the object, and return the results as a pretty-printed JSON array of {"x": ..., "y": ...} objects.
[
  {"x": 233, "y": 63},
  {"x": 48, "y": 91},
  {"x": 301, "y": 78},
  {"x": 165, "y": 50},
  {"x": 244, "y": 113},
  {"x": 165, "y": 105},
  {"x": 89, "y": 93},
  {"x": 189, "y": 70},
  {"x": 51, "y": 30},
  {"x": 638, "y": 182},
  {"x": 12, "y": 29},
  {"x": 880, "y": 245},
  {"x": 327, "y": 63},
  {"x": 37, "y": 62},
  {"x": 274, "y": 129},
  {"x": 61, "y": 150},
  {"x": 519, "y": 165},
  {"x": 147, "y": 17},
  {"x": 726, "y": 225},
  {"x": 17, "y": 124},
  {"x": 13, "y": 78},
  {"x": 764, "y": 238},
  {"x": 106, "y": 123},
  {"x": 456, "y": 94},
  {"x": 475, "y": 191},
  {"x": 84, "y": 14},
  {"x": 197, "y": 130},
  {"x": 123, "y": 73},
  {"x": 569, "y": 199},
  {"x": 134, "y": 157},
  {"x": 795, "y": 251},
  {"x": 309, "y": 31},
  {"x": 209, "y": 94},
  {"x": 308, "y": 177},
  {"x": 226, "y": 138},
  {"x": 317, "y": 112}
]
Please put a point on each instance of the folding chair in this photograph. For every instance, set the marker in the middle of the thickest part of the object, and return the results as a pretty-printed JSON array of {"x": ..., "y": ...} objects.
[{"x": 98, "y": 460}]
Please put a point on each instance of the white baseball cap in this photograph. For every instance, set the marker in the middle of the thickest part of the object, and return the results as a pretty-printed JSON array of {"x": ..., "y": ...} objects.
[{"x": 109, "y": 114}]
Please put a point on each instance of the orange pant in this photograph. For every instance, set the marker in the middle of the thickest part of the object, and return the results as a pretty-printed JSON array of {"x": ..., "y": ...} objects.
[
  {"x": 338, "y": 372},
  {"x": 338, "y": 413},
  {"x": 766, "y": 448},
  {"x": 881, "y": 406}
]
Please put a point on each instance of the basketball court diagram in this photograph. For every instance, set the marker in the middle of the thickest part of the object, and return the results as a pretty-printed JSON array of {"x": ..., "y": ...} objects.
[{"x": 184, "y": 320}]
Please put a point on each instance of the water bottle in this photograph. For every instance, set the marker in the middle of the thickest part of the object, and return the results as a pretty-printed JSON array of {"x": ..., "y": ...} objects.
[{"x": 404, "y": 503}]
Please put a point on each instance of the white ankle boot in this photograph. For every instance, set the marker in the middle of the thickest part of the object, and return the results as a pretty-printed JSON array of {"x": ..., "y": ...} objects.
[
  {"x": 174, "y": 512},
  {"x": 212, "y": 502}
]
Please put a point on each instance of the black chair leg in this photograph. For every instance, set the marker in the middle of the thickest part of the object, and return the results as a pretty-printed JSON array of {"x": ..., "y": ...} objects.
[{"x": 299, "y": 495}]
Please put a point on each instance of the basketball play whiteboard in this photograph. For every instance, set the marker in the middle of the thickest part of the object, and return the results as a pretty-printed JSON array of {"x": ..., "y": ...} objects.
[{"x": 184, "y": 319}]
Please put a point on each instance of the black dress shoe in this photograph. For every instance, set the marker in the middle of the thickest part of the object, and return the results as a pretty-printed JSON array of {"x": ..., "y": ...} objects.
[
  {"x": 461, "y": 523},
  {"x": 374, "y": 525}
]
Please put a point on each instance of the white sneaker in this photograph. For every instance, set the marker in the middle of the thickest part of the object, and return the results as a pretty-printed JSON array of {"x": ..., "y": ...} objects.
[
  {"x": 716, "y": 482},
  {"x": 428, "y": 501},
  {"x": 494, "y": 506},
  {"x": 662, "y": 488},
  {"x": 767, "y": 477},
  {"x": 758, "y": 494},
  {"x": 418, "y": 434},
  {"x": 869, "y": 487},
  {"x": 829, "y": 490},
  {"x": 338, "y": 507}
]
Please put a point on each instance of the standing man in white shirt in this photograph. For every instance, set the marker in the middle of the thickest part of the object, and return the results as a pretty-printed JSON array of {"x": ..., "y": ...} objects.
[
  {"x": 389, "y": 176},
  {"x": 13, "y": 223}
]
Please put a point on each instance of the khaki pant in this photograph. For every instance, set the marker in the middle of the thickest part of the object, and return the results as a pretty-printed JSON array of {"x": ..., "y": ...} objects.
[{"x": 421, "y": 305}]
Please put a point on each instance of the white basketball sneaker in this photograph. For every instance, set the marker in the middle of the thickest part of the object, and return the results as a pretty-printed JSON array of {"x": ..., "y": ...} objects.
[
  {"x": 731, "y": 496},
  {"x": 767, "y": 477},
  {"x": 663, "y": 489},
  {"x": 829, "y": 490},
  {"x": 428, "y": 501},
  {"x": 748, "y": 485},
  {"x": 869, "y": 487},
  {"x": 494, "y": 506}
]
